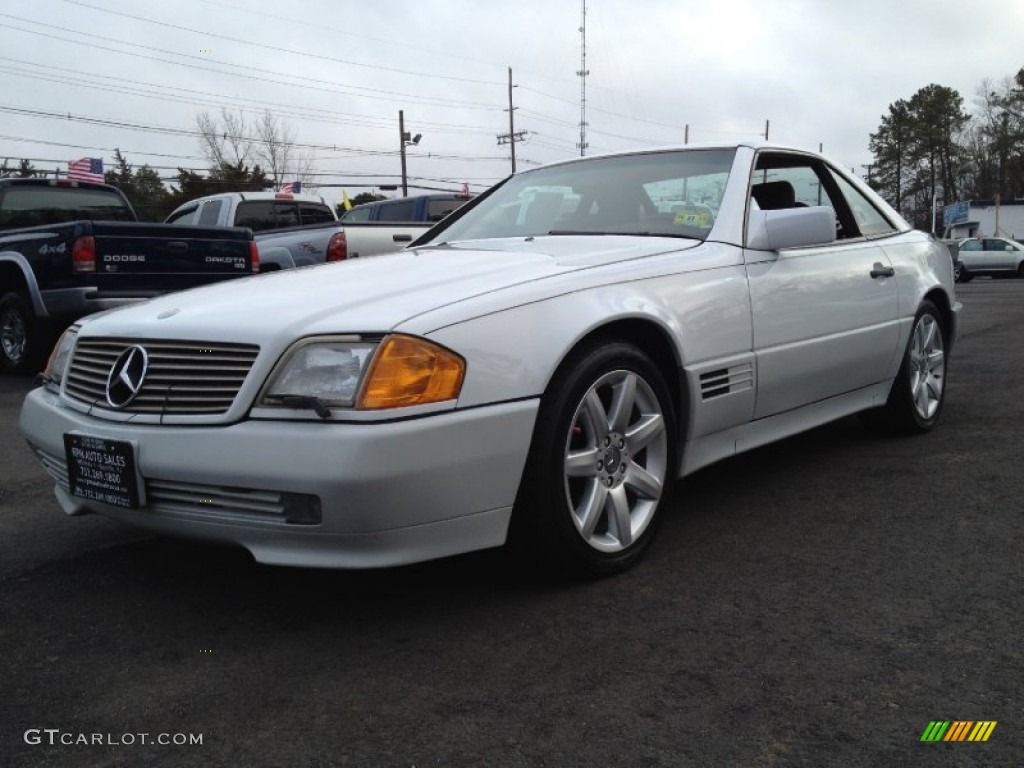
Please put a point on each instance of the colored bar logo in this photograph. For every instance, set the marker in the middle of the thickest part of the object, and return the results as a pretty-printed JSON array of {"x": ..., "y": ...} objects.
[{"x": 958, "y": 730}]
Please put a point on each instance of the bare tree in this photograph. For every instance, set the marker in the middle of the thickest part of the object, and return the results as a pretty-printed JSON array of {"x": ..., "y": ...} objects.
[
  {"x": 276, "y": 149},
  {"x": 274, "y": 146},
  {"x": 233, "y": 140},
  {"x": 227, "y": 141}
]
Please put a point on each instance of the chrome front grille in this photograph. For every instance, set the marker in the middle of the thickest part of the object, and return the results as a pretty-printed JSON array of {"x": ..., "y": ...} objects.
[{"x": 184, "y": 377}]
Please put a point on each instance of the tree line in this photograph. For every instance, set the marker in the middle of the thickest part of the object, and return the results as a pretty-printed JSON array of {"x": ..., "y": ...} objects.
[{"x": 928, "y": 148}]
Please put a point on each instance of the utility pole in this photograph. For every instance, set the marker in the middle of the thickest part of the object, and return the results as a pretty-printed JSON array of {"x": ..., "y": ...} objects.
[
  {"x": 404, "y": 140},
  {"x": 686, "y": 134},
  {"x": 766, "y": 124},
  {"x": 512, "y": 136}
]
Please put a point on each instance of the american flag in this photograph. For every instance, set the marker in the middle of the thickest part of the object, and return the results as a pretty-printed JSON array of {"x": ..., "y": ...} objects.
[
  {"x": 86, "y": 169},
  {"x": 292, "y": 186}
]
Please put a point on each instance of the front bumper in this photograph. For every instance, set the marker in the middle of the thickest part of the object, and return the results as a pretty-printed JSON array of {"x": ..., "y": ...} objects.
[{"x": 389, "y": 493}]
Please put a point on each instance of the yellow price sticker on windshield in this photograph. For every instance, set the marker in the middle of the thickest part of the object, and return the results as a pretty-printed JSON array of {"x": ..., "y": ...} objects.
[{"x": 693, "y": 219}]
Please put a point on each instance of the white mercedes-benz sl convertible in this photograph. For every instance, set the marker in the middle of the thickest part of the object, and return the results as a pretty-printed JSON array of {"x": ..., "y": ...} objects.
[{"x": 540, "y": 366}]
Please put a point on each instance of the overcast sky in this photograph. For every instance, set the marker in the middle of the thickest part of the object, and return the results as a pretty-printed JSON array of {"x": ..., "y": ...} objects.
[{"x": 821, "y": 71}]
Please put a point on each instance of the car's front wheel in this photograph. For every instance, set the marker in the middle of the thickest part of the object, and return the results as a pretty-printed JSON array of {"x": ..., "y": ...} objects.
[
  {"x": 601, "y": 463},
  {"x": 919, "y": 390}
]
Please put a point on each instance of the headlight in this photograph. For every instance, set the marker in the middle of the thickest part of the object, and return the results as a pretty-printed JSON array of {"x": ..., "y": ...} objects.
[
  {"x": 58, "y": 361},
  {"x": 329, "y": 370},
  {"x": 344, "y": 372}
]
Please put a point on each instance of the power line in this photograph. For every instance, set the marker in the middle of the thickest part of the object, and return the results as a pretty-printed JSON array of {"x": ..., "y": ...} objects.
[
  {"x": 192, "y": 96},
  {"x": 353, "y": 90},
  {"x": 279, "y": 49},
  {"x": 174, "y": 131}
]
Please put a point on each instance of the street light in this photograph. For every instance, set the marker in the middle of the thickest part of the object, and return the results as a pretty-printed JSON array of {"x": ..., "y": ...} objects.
[{"x": 405, "y": 139}]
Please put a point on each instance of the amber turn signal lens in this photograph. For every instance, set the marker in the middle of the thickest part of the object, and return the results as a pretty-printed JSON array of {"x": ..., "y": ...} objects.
[{"x": 409, "y": 371}]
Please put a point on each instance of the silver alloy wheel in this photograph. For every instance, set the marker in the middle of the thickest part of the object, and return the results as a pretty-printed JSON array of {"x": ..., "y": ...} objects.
[
  {"x": 927, "y": 366},
  {"x": 12, "y": 335},
  {"x": 616, "y": 461}
]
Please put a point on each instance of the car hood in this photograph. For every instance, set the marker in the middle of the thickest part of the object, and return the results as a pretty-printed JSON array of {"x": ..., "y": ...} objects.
[{"x": 368, "y": 295}]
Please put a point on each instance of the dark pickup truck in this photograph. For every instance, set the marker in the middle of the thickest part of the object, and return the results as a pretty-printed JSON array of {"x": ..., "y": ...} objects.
[{"x": 68, "y": 248}]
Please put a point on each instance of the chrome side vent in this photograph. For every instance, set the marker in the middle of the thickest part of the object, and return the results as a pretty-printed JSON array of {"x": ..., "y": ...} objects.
[{"x": 723, "y": 381}]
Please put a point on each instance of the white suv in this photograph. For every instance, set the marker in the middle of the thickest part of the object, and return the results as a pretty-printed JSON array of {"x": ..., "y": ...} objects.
[{"x": 996, "y": 256}]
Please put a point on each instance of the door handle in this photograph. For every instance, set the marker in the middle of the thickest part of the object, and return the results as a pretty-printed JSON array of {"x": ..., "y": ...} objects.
[
  {"x": 881, "y": 271},
  {"x": 402, "y": 238}
]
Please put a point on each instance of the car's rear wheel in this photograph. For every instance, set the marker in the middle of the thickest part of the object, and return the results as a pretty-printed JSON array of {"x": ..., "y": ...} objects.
[
  {"x": 965, "y": 276},
  {"x": 919, "y": 391},
  {"x": 18, "y": 337},
  {"x": 957, "y": 271},
  {"x": 601, "y": 463}
]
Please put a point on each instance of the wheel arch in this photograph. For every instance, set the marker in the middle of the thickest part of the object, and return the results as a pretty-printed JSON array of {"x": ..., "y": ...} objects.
[
  {"x": 16, "y": 275},
  {"x": 649, "y": 337},
  {"x": 938, "y": 297}
]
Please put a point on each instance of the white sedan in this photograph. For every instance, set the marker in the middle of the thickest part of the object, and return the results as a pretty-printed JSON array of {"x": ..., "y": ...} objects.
[{"x": 540, "y": 367}]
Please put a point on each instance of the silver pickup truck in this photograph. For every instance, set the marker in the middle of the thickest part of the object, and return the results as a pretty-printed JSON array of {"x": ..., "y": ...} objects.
[{"x": 295, "y": 230}]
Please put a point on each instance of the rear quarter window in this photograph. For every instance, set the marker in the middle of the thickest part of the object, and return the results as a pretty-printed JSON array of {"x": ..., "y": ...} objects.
[{"x": 315, "y": 213}]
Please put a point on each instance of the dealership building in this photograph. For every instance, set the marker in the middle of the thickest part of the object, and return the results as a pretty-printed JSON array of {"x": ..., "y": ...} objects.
[{"x": 984, "y": 218}]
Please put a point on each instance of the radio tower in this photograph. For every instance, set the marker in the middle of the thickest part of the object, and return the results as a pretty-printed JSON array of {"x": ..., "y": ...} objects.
[{"x": 583, "y": 82}]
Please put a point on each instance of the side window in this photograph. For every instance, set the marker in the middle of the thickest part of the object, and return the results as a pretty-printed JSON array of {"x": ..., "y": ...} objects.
[
  {"x": 770, "y": 189},
  {"x": 970, "y": 245},
  {"x": 398, "y": 211},
  {"x": 315, "y": 213},
  {"x": 357, "y": 214},
  {"x": 255, "y": 214},
  {"x": 782, "y": 180},
  {"x": 992, "y": 244},
  {"x": 185, "y": 216},
  {"x": 438, "y": 209},
  {"x": 210, "y": 214},
  {"x": 869, "y": 221}
]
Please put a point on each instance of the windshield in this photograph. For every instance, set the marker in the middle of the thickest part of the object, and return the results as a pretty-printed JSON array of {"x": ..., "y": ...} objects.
[{"x": 671, "y": 194}]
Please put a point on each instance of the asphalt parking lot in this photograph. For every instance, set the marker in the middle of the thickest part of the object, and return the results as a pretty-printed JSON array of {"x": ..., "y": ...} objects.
[{"x": 818, "y": 602}]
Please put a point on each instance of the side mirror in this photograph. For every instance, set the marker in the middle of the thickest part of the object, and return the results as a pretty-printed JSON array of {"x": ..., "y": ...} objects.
[
  {"x": 791, "y": 228},
  {"x": 1008, "y": 248}
]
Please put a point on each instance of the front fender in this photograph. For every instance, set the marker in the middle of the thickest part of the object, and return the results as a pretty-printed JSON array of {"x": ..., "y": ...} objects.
[{"x": 513, "y": 353}]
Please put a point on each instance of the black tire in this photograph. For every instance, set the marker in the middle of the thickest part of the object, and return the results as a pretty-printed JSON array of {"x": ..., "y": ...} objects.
[
  {"x": 550, "y": 524},
  {"x": 1020, "y": 270},
  {"x": 965, "y": 276},
  {"x": 957, "y": 272},
  {"x": 20, "y": 339},
  {"x": 919, "y": 390}
]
